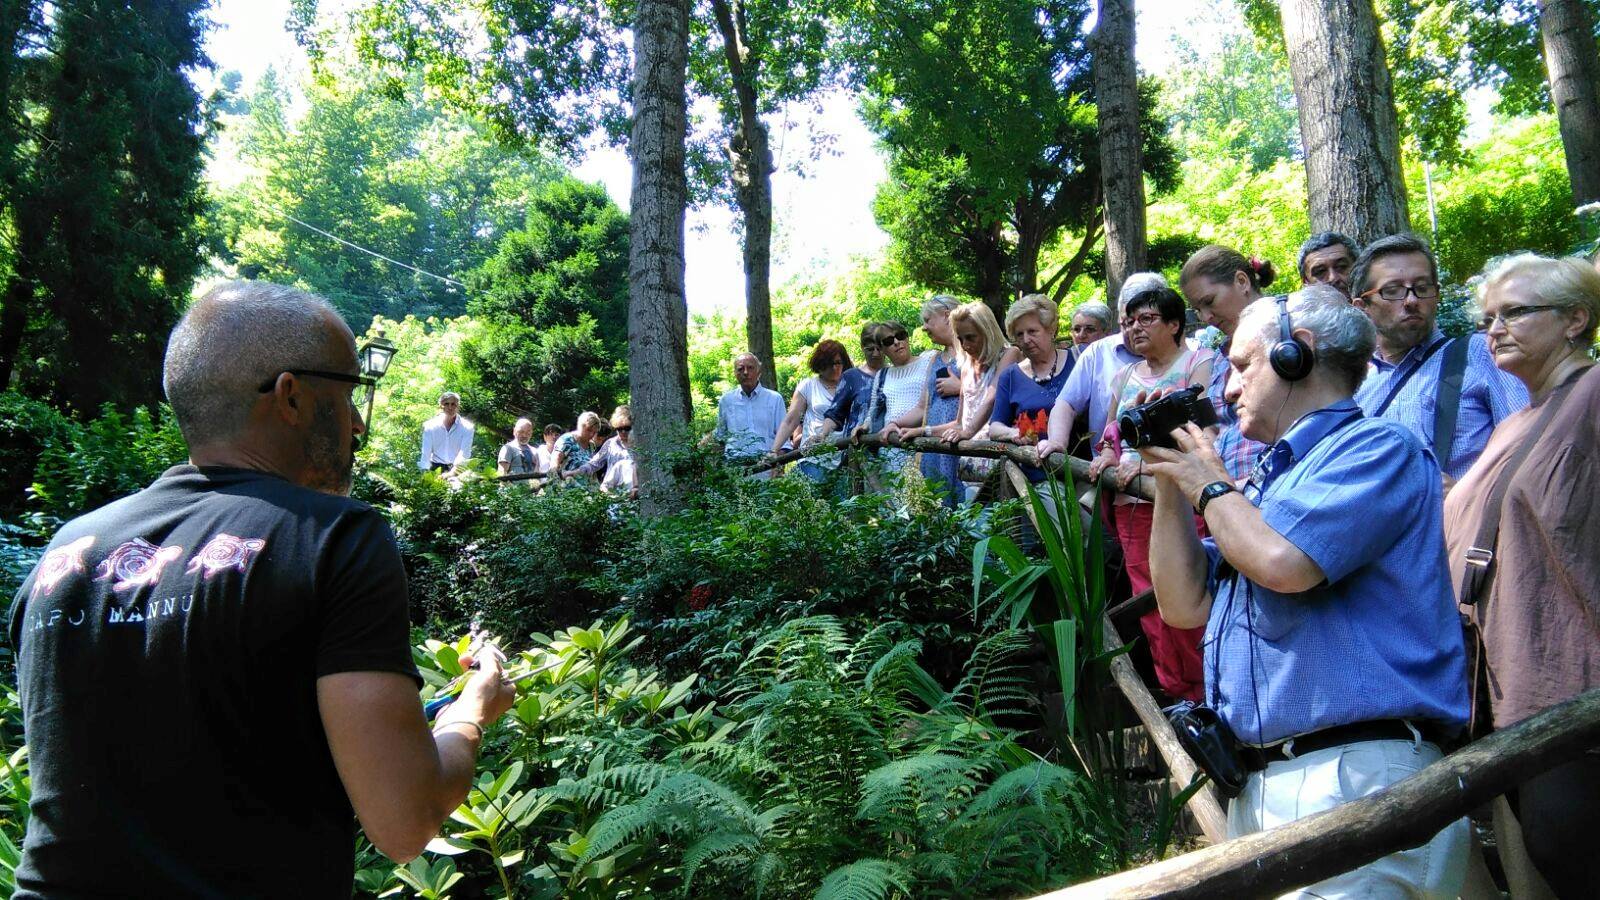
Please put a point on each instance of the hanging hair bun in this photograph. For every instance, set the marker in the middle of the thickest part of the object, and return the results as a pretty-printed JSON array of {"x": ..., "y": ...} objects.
[{"x": 1262, "y": 272}]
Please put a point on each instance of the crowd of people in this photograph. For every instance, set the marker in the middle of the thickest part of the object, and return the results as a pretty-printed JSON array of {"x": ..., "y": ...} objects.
[
  {"x": 1379, "y": 550},
  {"x": 593, "y": 453},
  {"x": 1369, "y": 485}
]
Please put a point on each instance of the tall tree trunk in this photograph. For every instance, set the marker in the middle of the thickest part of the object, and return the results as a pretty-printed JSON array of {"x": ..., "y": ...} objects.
[
  {"x": 17, "y": 18},
  {"x": 1347, "y": 118},
  {"x": 658, "y": 317},
  {"x": 1116, "y": 85},
  {"x": 752, "y": 182},
  {"x": 1571, "y": 58}
]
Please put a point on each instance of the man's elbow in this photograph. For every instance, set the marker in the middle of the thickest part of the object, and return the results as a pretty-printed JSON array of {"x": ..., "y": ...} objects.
[
  {"x": 403, "y": 841},
  {"x": 1290, "y": 572}
]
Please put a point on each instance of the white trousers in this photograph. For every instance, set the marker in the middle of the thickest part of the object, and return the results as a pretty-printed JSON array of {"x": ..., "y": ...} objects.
[{"x": 1295, "y": 788}]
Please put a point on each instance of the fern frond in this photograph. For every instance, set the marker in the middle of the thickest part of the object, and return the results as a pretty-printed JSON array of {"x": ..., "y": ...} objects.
[
  {"x": 996, "y": 679},
  {"x": 1034, "y": 784},
  {"x": 865, "y": 879},
  {"x": 892, "y": 673},
  {"x": 717, "y": 847}
]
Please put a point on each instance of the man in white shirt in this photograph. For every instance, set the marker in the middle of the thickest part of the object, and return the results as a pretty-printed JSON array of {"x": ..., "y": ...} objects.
[
  {"x": 544, "y": 455},
  {"x": 749, "y": 415},
  {"x": 446, "y": 438}
]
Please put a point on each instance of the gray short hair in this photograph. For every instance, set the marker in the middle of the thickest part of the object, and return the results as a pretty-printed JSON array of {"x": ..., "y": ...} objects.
[
  {"x": 450, "y": 395},
  {"x": 590, "y": 418},
  {"x": 1136, "y": 284},
  {"x": 1345, "y": 336},
  {"x": 1100, "y": 313},
  {"x": 236, "y": 336},
  {"x": 939, "y": 303}
]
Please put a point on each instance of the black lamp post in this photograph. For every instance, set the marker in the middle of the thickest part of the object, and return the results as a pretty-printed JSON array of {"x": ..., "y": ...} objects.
[{"x": 376, "y": 355}]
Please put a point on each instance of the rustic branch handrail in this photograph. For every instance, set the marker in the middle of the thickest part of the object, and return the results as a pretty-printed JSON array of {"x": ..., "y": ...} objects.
[
  {"x": 1203, "y": 803},
  {"x": 1405, "y": 815},
  {"x": 1022, "y": 456}
]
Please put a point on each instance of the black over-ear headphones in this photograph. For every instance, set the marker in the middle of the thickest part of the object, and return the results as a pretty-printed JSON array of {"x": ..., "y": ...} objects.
[{"x": 1290, "y": 357}]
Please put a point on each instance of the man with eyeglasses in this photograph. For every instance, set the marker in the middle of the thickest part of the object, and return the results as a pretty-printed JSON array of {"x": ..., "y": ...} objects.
[
  {"x": 446, "y": 438},
  {"x": 1447, "y": 391},
  {"x": 235, "y": 638}
]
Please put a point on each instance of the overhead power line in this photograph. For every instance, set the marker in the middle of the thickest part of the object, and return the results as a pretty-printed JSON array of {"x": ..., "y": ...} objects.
[{"x": 373, "y": 253}]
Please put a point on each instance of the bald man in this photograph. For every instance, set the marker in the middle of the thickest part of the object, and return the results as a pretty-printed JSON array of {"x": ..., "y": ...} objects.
[
  {"x": 749, "y": 415},
  {"x": 234, "y": 640}
]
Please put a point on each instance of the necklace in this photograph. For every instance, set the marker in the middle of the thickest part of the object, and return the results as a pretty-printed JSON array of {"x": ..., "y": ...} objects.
[{"x": 1055, "y": 360}]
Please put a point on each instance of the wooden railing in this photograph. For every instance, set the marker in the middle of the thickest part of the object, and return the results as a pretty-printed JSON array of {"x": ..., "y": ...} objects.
[{"x": 1407, "y": 814}]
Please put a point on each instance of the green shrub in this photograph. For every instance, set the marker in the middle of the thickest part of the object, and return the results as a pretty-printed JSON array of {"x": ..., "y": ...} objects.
[{"x": 834, "y": 763}]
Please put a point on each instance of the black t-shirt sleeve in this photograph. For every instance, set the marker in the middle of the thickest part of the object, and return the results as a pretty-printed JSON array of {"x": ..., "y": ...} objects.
[{"x": 363, "y": 622}]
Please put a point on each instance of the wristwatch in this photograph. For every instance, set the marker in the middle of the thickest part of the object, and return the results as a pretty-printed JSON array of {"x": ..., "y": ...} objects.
[{"x": 1211, "y": 492}]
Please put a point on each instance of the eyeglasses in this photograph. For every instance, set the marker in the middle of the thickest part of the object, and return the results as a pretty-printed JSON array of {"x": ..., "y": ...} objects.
[
  {"x": 888, "y": 342},
  {"x": 1143, "y": 320},
  {"x": 1510, "y": 314},
  {"x": 1394, "y": 293},
  {"x": 624, "y": 429},
  {"x": 361, "y": 388}
]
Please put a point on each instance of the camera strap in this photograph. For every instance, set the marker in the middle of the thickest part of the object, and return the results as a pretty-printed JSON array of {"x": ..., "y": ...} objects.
[{"x": 1479, "y": 571}]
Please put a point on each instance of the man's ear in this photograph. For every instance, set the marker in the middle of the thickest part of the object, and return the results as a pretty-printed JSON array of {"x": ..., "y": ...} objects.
[{"x": 288, "y": 399}]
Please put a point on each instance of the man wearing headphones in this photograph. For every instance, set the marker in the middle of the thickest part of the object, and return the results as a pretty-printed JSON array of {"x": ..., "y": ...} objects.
[{"x": 1332, "y": 648}]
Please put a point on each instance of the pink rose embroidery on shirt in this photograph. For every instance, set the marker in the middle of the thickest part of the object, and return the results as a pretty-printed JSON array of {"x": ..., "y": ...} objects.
[
  {"x": 225, "y": 552},
  {"x": 136, "y": 564},
  {"x": 59, "y": 563}
]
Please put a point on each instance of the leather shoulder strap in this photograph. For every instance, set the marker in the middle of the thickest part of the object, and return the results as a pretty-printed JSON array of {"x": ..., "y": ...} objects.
[{"x": 1448, "y": 406}]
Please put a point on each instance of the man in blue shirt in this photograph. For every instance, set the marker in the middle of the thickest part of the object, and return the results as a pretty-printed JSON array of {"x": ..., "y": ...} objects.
[
  {"x": 749, "y": 415},
  {"x": 1332, "y": 648},
  {"x": 1396, "y": 282}
]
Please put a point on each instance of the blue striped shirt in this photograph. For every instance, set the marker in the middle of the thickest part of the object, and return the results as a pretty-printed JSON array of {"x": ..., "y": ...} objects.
[{"x": 1488, "y": 396}]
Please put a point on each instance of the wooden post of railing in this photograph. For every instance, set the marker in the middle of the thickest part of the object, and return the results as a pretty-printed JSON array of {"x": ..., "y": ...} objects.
[
  {"x": 1405, "y": 815},
  {"x": 1203, "y": 804}
]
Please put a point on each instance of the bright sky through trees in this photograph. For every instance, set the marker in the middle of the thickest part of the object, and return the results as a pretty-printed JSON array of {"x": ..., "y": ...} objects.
[{"x": 820, "y": 220}]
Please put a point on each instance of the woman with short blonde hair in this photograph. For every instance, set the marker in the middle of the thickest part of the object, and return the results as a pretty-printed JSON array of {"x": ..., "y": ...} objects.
[{"x": 1026, "y": 392}]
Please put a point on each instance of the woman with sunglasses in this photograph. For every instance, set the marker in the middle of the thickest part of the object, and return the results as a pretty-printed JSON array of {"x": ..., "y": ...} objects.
[
  {"x": 1153, "y": 321},
  {"x": 1025, "y": 392},
  {"x": 812, "y": 398},
  {"x": 897, "y": 390},
  {"x": 941, "y": 399},
  {"x": 1522, "y": 536}
]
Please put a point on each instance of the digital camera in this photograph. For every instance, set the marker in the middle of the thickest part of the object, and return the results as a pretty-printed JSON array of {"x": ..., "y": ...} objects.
[{"x": 1151, "y": 424}]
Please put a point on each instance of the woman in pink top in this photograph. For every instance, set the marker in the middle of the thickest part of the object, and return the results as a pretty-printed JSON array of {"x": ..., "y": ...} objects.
[{"x": 1154, "y": 321}]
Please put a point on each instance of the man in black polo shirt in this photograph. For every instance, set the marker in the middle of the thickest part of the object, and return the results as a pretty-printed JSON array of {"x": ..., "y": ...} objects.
[{"x": 215, "y": 670}]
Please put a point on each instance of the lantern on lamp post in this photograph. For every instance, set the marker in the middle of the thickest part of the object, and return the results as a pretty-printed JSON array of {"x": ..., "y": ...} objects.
[{"x": 375, "y": 355}]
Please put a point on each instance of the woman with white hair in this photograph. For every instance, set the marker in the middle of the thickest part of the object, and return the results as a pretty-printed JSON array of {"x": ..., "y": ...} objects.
[
  {"x": 573, "y": 449},
  {"x": 1525, "y": 506},
  {"x": 517, "y": 456}
]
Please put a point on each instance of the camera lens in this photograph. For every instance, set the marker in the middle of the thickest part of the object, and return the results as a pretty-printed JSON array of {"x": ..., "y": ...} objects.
[{"x": 1132, "y": 424}]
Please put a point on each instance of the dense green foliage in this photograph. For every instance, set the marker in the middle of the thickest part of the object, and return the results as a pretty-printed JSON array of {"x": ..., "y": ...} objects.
[
  {"x": 835, "y": 767},
  {"x": 54, "y": 467},
  {"x": 101, "y": 134},
  {"x": 378, "y": 168},
  {"x": 554, "y": 303},
  {"x": 986, "y": 109}
]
